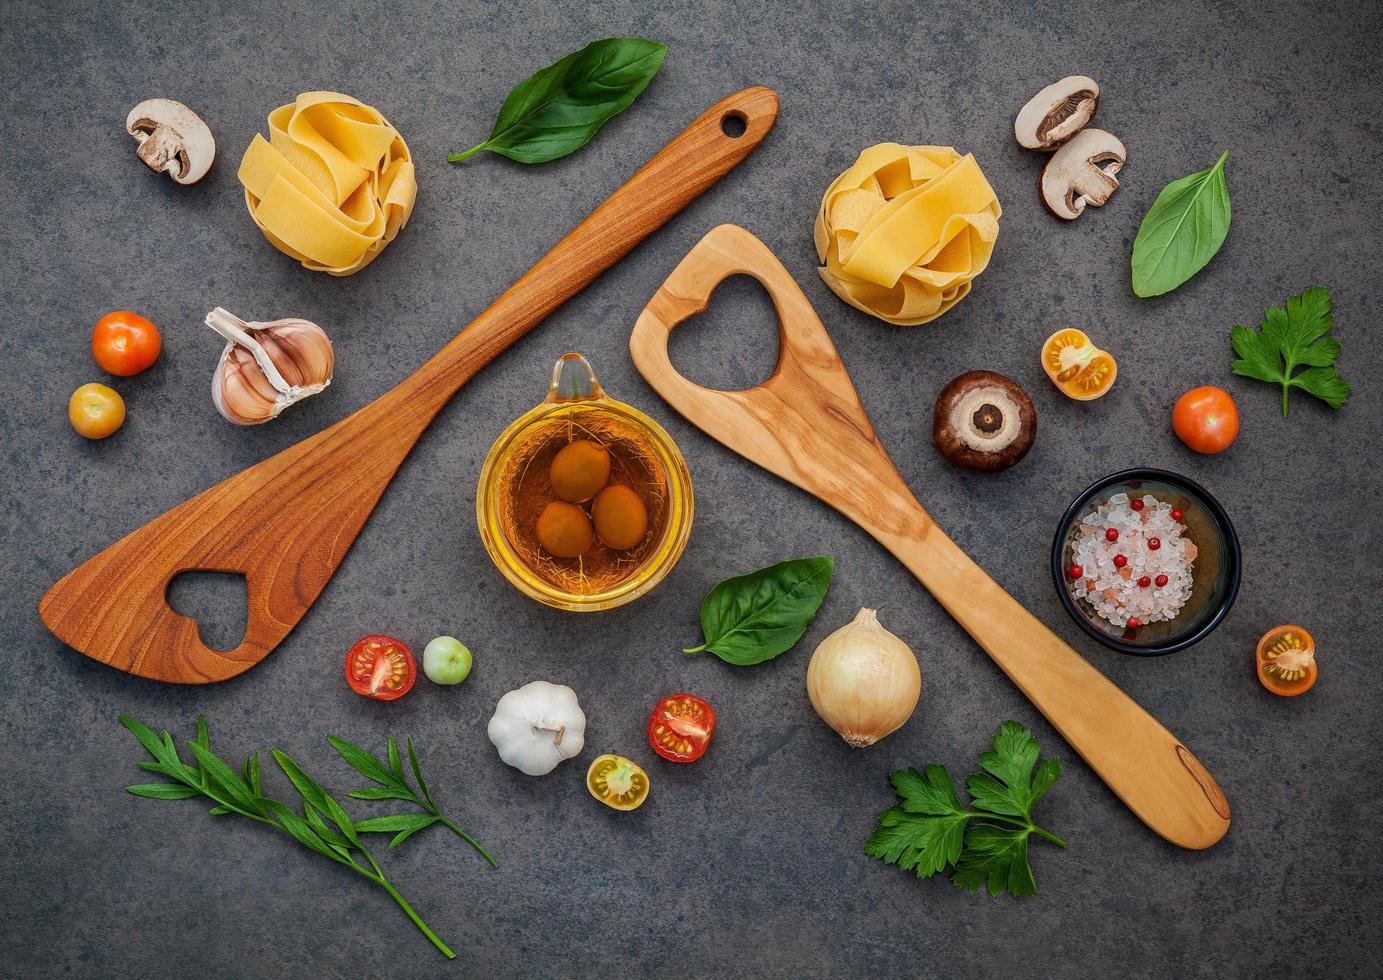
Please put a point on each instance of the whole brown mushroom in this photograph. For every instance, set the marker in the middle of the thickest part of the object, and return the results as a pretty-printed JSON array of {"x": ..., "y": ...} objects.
[{"x": 984, "y": 421}]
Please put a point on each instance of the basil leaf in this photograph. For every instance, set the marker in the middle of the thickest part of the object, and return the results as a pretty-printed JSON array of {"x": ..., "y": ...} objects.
[
  {"x": 557, "y": 110},
  {"x": 1182, "y": 231},
  {"x": 752, "y": 618}
]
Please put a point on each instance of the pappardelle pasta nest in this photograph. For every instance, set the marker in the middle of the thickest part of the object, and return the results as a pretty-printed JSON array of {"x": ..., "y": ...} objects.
[
  {"x": 904, "y": 232},
  {"x": 332, "y": 185}
]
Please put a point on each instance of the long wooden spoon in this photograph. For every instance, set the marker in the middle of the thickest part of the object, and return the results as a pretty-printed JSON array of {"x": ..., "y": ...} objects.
[
  {"x": 806, "y": 424},
  {"x": 287, "y": 522}
]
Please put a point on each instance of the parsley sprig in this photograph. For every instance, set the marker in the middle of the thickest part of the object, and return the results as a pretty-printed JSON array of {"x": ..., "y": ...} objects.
[
  {"x": 929, "y": 830},
  {"x": 242, "y": 793},
  {"x": 1289, "y": 338}
]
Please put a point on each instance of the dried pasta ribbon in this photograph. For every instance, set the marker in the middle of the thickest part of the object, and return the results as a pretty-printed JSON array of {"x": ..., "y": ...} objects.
[
  {"x": 904, "y": 232},
  {"x": 333, "y": 183}
]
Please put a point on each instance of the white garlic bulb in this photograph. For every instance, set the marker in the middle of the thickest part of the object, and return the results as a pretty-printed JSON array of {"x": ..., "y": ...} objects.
[
  {"x": 538, "y": 726},
  {"x": 265, "y": 367},
  {"x": 863, "y": 681}
]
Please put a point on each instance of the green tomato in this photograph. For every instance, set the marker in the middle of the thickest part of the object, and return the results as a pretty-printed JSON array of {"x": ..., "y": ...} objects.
[{"x": 446, "y": 661}]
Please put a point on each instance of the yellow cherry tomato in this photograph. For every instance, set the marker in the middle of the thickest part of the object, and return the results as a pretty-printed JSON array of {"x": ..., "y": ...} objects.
[
  {"x": 1076, "y": 366},
  {"x": 617, "y": 782},
  {"x": 96, "y": 411}
]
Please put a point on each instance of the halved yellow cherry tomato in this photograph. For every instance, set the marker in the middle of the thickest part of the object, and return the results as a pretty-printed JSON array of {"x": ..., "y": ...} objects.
[
  {"x": 1286, "y": 659},
  {"x": 617, "y": 782},
  {"x": 1076, "y": 366}
]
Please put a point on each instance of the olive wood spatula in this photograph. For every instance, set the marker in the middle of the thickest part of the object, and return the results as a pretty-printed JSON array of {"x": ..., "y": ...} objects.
[
  {"x": 806, "y": 425},
  {"x": 287, "y": 522}
]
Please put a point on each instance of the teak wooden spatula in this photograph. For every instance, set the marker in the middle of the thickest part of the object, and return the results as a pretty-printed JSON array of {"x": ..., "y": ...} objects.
[
  {"x": 287, "y": 522},
  {"x": 806, "y": 424}
]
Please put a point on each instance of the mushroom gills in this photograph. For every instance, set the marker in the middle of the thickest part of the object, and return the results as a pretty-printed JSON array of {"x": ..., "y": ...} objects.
[
  {"x": 1082, "y": 173},
  {"x": 172, "y": 139},
  {"x": 983, "y": 421},
  {"x": 1057, "y": 113},
  {"x": 992, "y": 419}
]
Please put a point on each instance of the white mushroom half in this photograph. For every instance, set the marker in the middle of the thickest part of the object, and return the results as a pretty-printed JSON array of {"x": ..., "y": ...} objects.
[
  {"x": 1057, "y": 113},
  {"x": 172, "y": 139},
  {"x": 1082, "y": 172}
]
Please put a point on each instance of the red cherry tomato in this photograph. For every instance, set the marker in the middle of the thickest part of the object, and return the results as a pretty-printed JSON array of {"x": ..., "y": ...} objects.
[
  {"x": 1206, "y": 419},
  {"x": 381, "y": 667},
  {"x": 681, "y": 727},
  {"x": 125, "y": 343}
]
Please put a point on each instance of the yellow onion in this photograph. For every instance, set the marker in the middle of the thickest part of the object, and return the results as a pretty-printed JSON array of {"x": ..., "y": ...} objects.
[{"x": 863, "y": 681}]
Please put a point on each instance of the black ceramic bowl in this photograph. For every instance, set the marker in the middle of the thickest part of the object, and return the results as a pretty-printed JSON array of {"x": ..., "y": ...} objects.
[{"x": 1215, "y": 575}]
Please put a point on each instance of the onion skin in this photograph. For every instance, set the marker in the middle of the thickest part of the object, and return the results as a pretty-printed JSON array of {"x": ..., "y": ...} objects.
[{"x": 863, "y": 681}]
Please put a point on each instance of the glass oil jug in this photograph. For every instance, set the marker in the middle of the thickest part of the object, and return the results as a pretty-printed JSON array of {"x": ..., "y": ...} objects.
[{"x": 584, "y": 502}]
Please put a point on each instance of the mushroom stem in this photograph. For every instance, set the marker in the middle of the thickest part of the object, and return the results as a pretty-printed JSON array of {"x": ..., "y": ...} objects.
[{"x": 237, "y": 331}]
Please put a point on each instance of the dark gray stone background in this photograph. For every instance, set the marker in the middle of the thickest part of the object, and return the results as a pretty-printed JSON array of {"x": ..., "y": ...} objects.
[{"x": 748, "y": 862}]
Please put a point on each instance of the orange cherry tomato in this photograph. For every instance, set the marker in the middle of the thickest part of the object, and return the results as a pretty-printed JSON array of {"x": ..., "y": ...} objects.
[
  {"x": 125, "y": 343},
  {"x": 681, "y": 727},
  {"x": 617, "y": 782},
  {"x": 1286, "y": 659},
  {"x": 96, "y": 411},
  {"x": 381, "y": 667},
  {"x": 1076, "y": 366},
  {"x": 1206, "y": 419}
]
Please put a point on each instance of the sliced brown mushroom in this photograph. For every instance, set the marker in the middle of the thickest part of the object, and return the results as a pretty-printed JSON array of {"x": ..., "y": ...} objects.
[
  {"x": 172, "y": 139},
  {"x": 984, "y": 421},
  {"x": 1082, "y": 172},
  {"x": 1057, "y": 113}
]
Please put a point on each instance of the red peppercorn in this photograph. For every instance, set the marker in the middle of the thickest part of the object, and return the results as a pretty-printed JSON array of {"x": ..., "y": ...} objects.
[
  {"x": 1112, "y": 534},
  {"x": 1120, "y": 561},
  {"x": 1134, "y": 622},
  {"x": 1161, "y": 580},
  {"x": 1177, "y": 514},
  {"x": 1136, "y": 503},
  {"x": 1154, "y": 543},
  {"x": 1144, "y": 582},
  {"x": 1075, "y": 572}
]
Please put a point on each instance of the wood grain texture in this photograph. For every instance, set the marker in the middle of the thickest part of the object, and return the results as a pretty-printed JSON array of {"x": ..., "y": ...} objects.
[
  {"x": 806, "y": 424},
  {"x": 287, "y": 522}
]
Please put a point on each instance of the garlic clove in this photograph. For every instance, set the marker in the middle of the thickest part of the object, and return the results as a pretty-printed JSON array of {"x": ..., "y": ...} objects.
[
  {"x": 265, "y": 367},
  {"x": 863, "y": 681}
]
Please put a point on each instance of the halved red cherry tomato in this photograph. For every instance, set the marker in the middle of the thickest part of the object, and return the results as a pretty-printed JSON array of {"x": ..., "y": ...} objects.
[
  {"x": 381, "y": 667},
  {"x": 125, "y": 343},
  {"x": 681, "y": 727}
]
